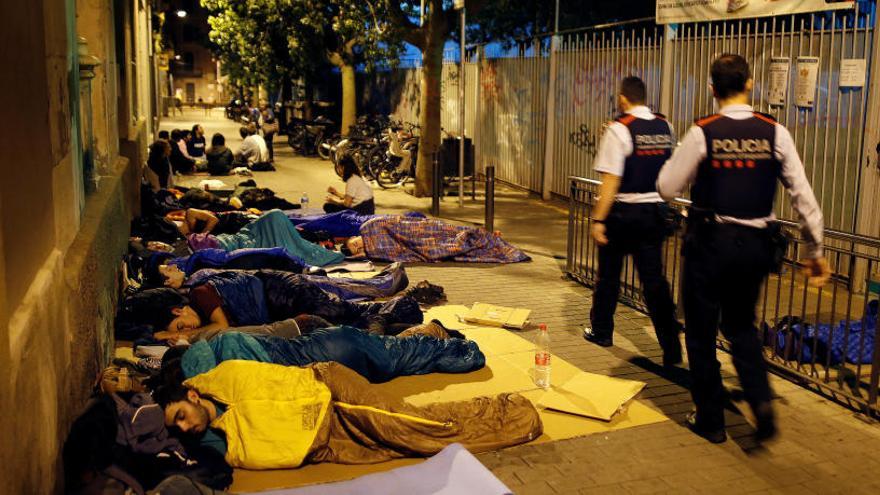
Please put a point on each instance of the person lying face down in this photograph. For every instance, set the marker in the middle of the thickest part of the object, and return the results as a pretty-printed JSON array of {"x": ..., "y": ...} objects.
[{"x": 267, "y": 416}]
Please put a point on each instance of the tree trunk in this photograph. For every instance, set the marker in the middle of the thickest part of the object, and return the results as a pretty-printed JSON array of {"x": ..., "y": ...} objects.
[
  {"x": 349, "y": 98},
  {"x": 308, "y": 102},
  {"x": 429, "y": 103}
]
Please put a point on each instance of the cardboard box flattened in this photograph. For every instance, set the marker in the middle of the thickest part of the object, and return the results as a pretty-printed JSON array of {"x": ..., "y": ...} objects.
[{"x": 498, "y": 316}]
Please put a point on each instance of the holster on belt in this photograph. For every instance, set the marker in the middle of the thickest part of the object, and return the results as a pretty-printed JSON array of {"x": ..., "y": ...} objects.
[{"x": 779, "y": 240}]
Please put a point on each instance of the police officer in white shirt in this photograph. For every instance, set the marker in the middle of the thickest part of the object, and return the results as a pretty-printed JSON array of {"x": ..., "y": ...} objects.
[
  {"x": 630, "y": 217},
  {"x": 734, "y": 160}
]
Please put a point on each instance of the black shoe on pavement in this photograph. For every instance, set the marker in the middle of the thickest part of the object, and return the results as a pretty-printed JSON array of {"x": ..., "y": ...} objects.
[
  {"x": 600, "y": 340},
  {"x": 713, "y": 436},
  {"x": 765, "y": 427},
  {"x": 672, "y": 353}
]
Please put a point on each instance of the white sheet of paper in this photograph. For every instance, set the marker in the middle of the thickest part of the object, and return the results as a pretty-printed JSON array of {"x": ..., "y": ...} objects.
[
  {"x": 852, "y": 72},
  {"x": 805, "y": 81},
  {"x": 779, "y": 69}
]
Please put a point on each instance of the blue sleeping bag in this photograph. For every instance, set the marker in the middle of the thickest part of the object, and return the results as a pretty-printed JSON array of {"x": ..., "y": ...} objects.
[
  {"x": 851, "y": 343},
  {"x": 241, "y": 259},
  {"x": 378, "y": 358}
]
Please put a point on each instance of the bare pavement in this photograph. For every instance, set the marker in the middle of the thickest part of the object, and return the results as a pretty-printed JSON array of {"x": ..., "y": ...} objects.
[{"x": 823, "y": 447}]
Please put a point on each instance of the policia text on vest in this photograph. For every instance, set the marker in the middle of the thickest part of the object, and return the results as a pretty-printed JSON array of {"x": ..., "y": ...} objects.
[
  {"x": 631, "y": 218},
  {"x": 733, "y": 161}
]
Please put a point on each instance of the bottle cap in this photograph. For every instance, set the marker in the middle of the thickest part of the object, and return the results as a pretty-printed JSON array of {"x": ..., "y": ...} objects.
[{"x": 542, "y": 326}]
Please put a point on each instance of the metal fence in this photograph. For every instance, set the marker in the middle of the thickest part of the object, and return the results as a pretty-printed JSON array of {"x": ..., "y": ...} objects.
[
  {"x": 823, "y": 338},
  {"x": 508, "y": 94}
]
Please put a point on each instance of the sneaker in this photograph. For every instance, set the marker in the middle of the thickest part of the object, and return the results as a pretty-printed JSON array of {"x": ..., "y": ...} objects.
[
  {"x": 600, "y": 340},
  {"x": 713, "y": 436}
]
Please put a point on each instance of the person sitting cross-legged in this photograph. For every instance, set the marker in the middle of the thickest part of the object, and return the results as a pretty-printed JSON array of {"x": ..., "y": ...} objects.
[{"x": 358, "y": 194}]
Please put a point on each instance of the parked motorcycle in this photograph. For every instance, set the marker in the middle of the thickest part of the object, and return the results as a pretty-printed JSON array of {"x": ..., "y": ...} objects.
[
  {"x": 306, "y": 137},
  {"x": 394, "y": 162}
]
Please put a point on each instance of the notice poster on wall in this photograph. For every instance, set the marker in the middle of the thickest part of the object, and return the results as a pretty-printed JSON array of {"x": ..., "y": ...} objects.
[
  {"x": 805, "y": 81},
  {"x": 779, "y": 71},
  {"x": 852, "y": 72},
  {"x": 674, "y": 11}
]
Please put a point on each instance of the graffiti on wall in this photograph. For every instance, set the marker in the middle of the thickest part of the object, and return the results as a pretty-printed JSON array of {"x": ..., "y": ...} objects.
[{"x": 584, "y": 139}]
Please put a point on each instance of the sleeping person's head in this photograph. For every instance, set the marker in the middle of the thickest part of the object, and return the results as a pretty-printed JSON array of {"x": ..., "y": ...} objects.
[
  {"x": 163, "y": 309},
  {"x": 158, "y": 272},
  {"x": 184, "y": 408},
  {"x": 354, "y": 247}
]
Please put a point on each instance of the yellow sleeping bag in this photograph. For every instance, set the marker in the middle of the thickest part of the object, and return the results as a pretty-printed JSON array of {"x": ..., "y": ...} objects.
[{"x": 273, "y": 414}]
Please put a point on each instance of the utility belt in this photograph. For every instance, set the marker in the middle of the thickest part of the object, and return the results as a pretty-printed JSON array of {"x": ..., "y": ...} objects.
[
  {"x": 668, "y": 219},
  {"x": 703, "y": 222}
]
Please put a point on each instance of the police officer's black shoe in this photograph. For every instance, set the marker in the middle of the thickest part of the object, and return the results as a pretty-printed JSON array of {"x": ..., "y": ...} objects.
[
  {"x": 597, "y": 338},
  {"x": 671, "y": 358},
  {"x": 672, "y": 349},
  {"x": 765, "y": 422},
  {"x": 714, "y": 436}
]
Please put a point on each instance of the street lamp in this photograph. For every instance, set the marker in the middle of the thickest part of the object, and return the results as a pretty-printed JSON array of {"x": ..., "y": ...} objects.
[{"x": 181, "y": 13}]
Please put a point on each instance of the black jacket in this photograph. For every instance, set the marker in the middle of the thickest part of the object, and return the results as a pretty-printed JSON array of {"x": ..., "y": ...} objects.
[
  {"x": 179, "y": 162},
  {"x": 219, "y": 160}
]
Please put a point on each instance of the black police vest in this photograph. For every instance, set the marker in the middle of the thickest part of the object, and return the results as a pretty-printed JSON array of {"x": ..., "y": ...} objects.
[
  {"x": 652, "y": 146},
  {"x": 738, "y": 177}
]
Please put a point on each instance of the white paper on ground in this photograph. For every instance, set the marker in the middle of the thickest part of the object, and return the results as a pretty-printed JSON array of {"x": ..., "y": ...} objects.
[{"x": 452, "y": 471}]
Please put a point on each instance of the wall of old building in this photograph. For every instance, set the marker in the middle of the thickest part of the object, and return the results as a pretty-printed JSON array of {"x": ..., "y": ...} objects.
[{"x": 60, "y": 248}]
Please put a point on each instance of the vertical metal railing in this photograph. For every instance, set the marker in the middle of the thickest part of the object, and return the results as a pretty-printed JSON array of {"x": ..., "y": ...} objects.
[
  {"x": 511, "y": 86},
  {"x": 825, "y": 338},
  {"x": 829, "y": 134}
]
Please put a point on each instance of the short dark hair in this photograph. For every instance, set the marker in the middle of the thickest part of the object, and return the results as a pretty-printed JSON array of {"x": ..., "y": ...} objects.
[
  {"x": 150, "y": 273},
  {"x": 218, "y": 140},
  {"x": 153, "y": 307},
  {"x": 167, "y": 385},
  {"x": 349, "y": 167},
  {"x": 163, "y": 135},
  {"x": 176, "y": 134},
  {"x": 634, "y": 90},
  {"x": 244, "y": 131},
  {"x": 157, "y": 151},
  {"x": 730, "y": 72}
]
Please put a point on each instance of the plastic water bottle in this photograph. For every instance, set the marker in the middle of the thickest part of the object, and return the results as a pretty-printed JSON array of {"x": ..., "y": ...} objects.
[
  {"x": 304, "y": 201},
  {"x": 542, "y": 357}
]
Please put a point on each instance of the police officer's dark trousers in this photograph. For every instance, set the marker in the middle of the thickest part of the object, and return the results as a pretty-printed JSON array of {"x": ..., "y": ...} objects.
[
  {"x": 637, "y": 229},
  {"x": 724, "y": 267}
]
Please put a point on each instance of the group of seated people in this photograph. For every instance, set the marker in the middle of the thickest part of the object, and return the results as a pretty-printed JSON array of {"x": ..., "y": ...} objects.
[
  {"x": 261, "y": 359},
  {"x": 183, "y": 151}
]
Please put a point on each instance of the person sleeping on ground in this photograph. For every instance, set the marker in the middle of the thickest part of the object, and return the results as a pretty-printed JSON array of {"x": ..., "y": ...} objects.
[
  {"x": 234, "y": 298},
  {"x": 408, "y": 238},
  {"x": 163, "y": 270},
  {"x": 269, "y": 230},
  {"x": 267, "y": 416},
  {"x": 342, "y": 224},
  {"x": 421, "y": 349},
  {"x": 196, "y": 221}
]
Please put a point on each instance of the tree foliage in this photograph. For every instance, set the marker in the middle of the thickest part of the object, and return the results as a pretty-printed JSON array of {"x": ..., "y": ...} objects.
[{"x": 271, "y": 41}]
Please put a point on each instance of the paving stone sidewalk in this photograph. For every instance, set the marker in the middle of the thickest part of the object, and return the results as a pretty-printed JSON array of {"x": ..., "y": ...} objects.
[{"x": 823, "y": 448}]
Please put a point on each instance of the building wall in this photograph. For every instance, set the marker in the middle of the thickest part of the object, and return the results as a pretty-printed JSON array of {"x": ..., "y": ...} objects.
[
  {"x": 60, "y": 250},
  {"x": 207, "y": 87}
]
